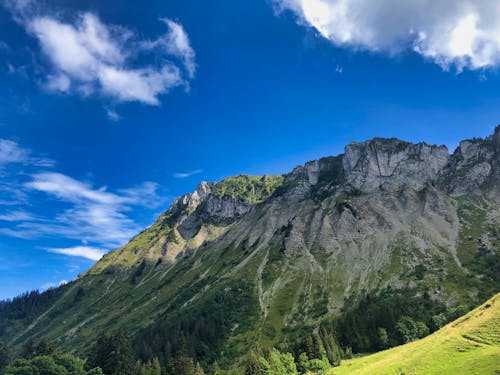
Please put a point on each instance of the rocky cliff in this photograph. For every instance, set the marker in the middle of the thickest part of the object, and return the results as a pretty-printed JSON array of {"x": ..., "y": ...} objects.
[{"x": 288, "y": 253}]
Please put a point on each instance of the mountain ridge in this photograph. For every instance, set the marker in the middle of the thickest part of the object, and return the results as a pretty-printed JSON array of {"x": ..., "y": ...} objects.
[{"x": 266, "y": 258}]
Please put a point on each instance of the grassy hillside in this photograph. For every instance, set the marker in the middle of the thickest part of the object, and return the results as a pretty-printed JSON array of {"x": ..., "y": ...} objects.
[{"x": 469, "y": 345}]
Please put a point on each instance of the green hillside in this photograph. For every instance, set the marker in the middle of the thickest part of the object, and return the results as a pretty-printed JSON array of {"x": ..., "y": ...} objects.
[
  {"x": 337, "y": 254},
  {"x": 469, "y": 345}
]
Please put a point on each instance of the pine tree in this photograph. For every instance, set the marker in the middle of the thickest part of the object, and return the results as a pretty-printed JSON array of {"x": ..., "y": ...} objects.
[
  {"x": 113, "y": 353},
  {"x": 29, "y": 349},
  {"x": 4, "y": 356},
  {"x": 45, "y": 347},
  {"x": 216, "y": 370}
]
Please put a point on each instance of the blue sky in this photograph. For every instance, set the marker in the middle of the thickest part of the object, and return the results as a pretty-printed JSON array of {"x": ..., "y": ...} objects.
[{"x": 111, "y": 109}]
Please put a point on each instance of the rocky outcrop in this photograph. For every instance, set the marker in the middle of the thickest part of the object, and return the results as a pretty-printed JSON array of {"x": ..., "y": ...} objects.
[
  {"x": 392, "y": 164},
  {"x": 473, "y": 164},
  {"x": 299, "y": 246}
]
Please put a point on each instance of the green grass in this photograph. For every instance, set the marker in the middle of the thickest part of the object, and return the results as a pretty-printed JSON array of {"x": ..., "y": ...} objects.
[
  {"x": 469, "y": 345},
  {"x": 251, "y": 189}
]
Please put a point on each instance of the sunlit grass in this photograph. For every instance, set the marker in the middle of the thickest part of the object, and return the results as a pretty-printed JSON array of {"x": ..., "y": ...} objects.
[{"x": 469, "y": 345}]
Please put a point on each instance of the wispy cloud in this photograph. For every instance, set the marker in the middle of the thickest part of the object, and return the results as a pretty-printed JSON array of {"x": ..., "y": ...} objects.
[
  {"x": 112, "y": 114},
  {"x": 86, "y": 56},
  {"x": 97, "y": 217},
  {"x": 87, "y": 252},
  {"x": 94, "y": 214},
  {"x": 11, "y": 152},
  {"x": 18, "y": 215},
  {"x": 459, "y": 33},
  {"x": 176, "y": 43},
  {"x": 187, "y": 174}
]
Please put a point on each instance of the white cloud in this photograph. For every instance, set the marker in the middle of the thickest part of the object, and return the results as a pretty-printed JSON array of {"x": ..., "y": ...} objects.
[
  {"x": 94, "y": 214},
  {"x": 39, "y": 204},
  {"x": 18, "y": 215},
  {"x": 88, "y": 252},
  {"x": 51, "y": 285},
  {"x": 187, "y": 174},
  {"x": 89, "y": 57},
  {"x": 459, "y": 33},
  {"x": 112, "y": 114},
  {"x": 175, "y": 42},
  {"x": 11, "y": 152}
]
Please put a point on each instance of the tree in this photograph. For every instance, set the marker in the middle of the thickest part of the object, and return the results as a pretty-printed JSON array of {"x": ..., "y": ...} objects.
[
  {"x": 113, "y": 353},
  {"x": 314, "y": 365},
  {"x": 4, "y": 356},
  {"x": 253, "y": 364},
  {"x": 216, "y": 370},
  {"x": 56, "y": 364},
  {"x": 150, "y": 368},
  {"x": 383, "y": 338},
  {"x": 182, "y": 363},
  {"x": 29, "y": 349},
  {"x": 422, "y": 330},
  {"x": 43, "y": 347},
  {"x": 281, "y": 363},
  {"x": 409, "y": 330}
]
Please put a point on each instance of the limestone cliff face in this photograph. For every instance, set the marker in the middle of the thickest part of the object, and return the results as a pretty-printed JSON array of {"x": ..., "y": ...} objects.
[
  {"x": 303, "y": 243},
  {"x": 392, "y": 164},
  {"x": 474, "y": 163}
]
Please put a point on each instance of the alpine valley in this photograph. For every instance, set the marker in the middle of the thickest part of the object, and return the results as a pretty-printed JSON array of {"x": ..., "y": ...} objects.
[{"x": 359, "y": 252}]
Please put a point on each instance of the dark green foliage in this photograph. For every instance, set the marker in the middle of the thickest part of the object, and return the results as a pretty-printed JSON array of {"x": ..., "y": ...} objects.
[
  {"x": 138, "y": 272},
  {"x": 204, "y": 329},
  {"x": 182, "y": 363},
  {"x": 383, "y": 338},
  {"x": 80, "y": 294},
  {"x": 488, "y": 265},
  {"x": 371, "y": 323},
  {"x": 419, "y": 271},
  {"x": 151, "y": 367},
  {"x": 27, "y": 307},
  {"x": 4, "y": 356},
  {"x": 320, "y": 348},
  {"x": 43, "y": 347},
  {"x": 409, "y": 330},
  {"x": 113, "y": 353},
  {"x": 56, "y": 364},
  {"x": 252, "y": 365}
]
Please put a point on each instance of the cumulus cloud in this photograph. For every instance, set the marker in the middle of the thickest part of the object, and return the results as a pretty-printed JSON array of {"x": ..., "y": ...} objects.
[
  {"x": 458, "y": 33},
  {"x": 87, "y": 252},
  {"x": 87, "y": 56},
  {"x": 175, "y": 42}
]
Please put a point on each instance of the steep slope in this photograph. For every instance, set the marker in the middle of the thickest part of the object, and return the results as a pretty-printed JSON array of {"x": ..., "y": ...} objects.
[
  {"x": 266, "y": 259},
  {"x": 469, "y": 345}
]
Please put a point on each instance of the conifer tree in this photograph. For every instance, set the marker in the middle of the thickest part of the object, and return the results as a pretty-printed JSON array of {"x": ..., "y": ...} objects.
[{"x": 113, "y": 353}]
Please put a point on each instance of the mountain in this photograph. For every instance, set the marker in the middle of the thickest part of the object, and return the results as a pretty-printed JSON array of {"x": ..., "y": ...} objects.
[
  {"x": 344, "y": 245},
  {"x": 469, "y": 345}
]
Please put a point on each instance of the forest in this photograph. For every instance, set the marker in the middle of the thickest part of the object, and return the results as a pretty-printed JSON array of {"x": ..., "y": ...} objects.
[{"x": 192, "y": 347}]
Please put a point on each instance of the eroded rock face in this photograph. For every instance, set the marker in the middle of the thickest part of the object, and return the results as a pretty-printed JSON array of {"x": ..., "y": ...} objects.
[
  {"x": 335, "y": 228},
  {"x": 392, "y": 164},
  {"x": 473, "y": 165}
]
